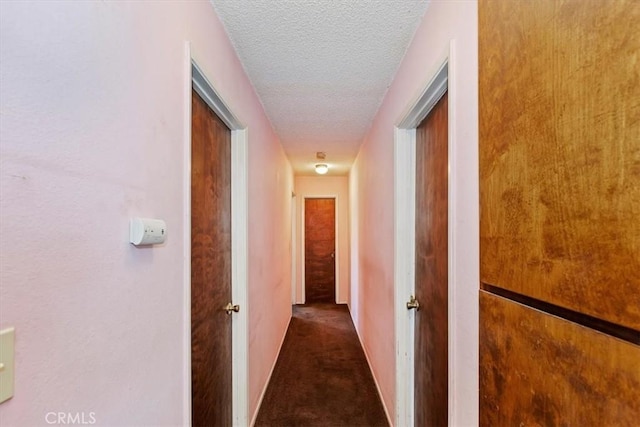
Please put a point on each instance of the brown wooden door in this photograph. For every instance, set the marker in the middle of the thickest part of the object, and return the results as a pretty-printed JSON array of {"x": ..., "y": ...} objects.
[
  {"x": 319, "y": 250},
  {"x": 431, "y": 327},
  {"x": 210, "y": 267},
  {"x": 559, "y": 98}
]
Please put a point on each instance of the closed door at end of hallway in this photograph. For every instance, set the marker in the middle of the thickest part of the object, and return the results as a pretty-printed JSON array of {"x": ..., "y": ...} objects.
[{"x": 319, "y": 250}]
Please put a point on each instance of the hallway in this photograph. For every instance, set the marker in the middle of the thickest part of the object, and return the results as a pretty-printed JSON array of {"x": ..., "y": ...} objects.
[
  {"x": 542, "y": 322},
  {"x": 321, "y": 377}
]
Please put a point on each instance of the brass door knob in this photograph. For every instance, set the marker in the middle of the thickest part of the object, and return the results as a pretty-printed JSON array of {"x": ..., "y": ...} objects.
[
  {"x": 232, "y": 308},
  {"x": 413, "y": 304}
]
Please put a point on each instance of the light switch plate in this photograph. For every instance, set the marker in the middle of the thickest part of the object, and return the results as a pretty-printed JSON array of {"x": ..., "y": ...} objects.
[{"x": 7, "y": 338}]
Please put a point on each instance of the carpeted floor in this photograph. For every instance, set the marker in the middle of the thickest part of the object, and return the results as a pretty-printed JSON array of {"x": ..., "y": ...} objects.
[{"x": 321, "y": 377}]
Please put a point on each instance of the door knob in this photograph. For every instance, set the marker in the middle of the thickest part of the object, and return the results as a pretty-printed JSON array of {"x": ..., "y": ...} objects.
[
  {"x": 230, "y": 308},
  {"x": 333, "y": 254},
  {"x": 413, "y": 304}
]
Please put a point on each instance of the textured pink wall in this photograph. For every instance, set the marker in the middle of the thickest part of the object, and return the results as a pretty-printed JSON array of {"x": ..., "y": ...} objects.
[
  {"x": 372, "y": 189},
  {"x": 92, "y": 133},
  {"x": 269, "y": 260},
  {"x": 306, "y": 186}
]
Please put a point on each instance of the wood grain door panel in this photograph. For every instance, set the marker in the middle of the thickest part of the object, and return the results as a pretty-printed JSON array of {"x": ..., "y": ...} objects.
[
  {"x": 560, "y": 153},
  {"x": 560, "y": 212},
  {"x": 431, "y": 324},
  {"x": 319, "y": 250},
  {"x": 210, "y": 267},
  {"x": 541, "y": 370}
]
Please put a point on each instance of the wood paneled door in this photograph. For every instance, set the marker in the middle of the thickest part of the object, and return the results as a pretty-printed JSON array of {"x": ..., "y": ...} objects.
[
  {"x": 319, "y": 250},
  {"x": 431, "y": 288},
  {"x": 210, "y": 267},
  {"x": 559, "y": 93}
]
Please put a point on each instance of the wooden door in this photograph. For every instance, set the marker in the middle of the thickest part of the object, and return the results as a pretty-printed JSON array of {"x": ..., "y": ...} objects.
[
  {"x": 210, "y": 267},
  {"x": 319, "y": 250},
  {"x": 559, "y": 93},
  {"x": 431, "y": 320}
]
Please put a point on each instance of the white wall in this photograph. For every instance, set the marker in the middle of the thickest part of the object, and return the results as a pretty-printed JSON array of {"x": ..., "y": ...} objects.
[
  {"x": 92, "y": 120},
  {"x": 372, "y": 188},
  {"x": 312, "y": 186}
]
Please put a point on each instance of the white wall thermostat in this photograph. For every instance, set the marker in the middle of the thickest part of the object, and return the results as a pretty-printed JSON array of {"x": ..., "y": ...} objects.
[{"x": 147, "y": 231}]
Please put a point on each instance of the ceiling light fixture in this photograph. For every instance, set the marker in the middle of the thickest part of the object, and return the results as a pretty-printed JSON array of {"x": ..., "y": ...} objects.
[{"x": 322, "y": 168}]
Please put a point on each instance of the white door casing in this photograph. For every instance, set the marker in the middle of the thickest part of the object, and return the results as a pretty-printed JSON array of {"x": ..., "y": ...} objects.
[
  {"x": 404, "y": 234},
  {"x": 196, "y": 79}
]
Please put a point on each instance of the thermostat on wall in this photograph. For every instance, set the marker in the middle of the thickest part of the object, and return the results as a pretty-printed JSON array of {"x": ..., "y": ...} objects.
[{"x": 147, "y": 231}]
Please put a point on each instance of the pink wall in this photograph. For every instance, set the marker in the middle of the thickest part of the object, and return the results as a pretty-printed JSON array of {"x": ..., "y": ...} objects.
[
  {"x": 92, "y": 133},
  {"x": 270, "y": 261},
  {"x": 372, "y": 189},
  {"x": 310, "y": 186}
]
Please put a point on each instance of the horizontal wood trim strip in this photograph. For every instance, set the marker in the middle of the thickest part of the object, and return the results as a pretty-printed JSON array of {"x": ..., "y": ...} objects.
[{"x": 612, "y": 329}]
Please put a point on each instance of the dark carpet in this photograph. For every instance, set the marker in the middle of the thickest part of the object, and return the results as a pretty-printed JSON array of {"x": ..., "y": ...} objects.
[{"x": 321, "y": 377}]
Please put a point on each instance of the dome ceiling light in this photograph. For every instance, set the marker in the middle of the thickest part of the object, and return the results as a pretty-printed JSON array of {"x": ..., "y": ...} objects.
[{"x": 321, "y": 168}]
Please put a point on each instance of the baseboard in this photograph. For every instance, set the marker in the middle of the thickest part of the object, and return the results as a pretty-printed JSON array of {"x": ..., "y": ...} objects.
[
  {"x": 273, "y": 367},
  {"x": 375, "y": 380}
]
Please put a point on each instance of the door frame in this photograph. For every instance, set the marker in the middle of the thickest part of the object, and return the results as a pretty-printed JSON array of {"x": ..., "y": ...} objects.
[
  {"x": 294, "y": 248},
  {"x": 438, "y": 83},
  {"x": 335, "y": 243},
  {"x": 195, "y": 78}
]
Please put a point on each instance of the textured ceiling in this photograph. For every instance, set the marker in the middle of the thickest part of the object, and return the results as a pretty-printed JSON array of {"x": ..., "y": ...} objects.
[{"x": 320, "y": 67}]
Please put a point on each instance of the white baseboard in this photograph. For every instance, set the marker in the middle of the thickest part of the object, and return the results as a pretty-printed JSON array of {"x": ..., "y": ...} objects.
[
  {"x": 375, "y": 380},
  {"x": 273, "y": 367}
]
